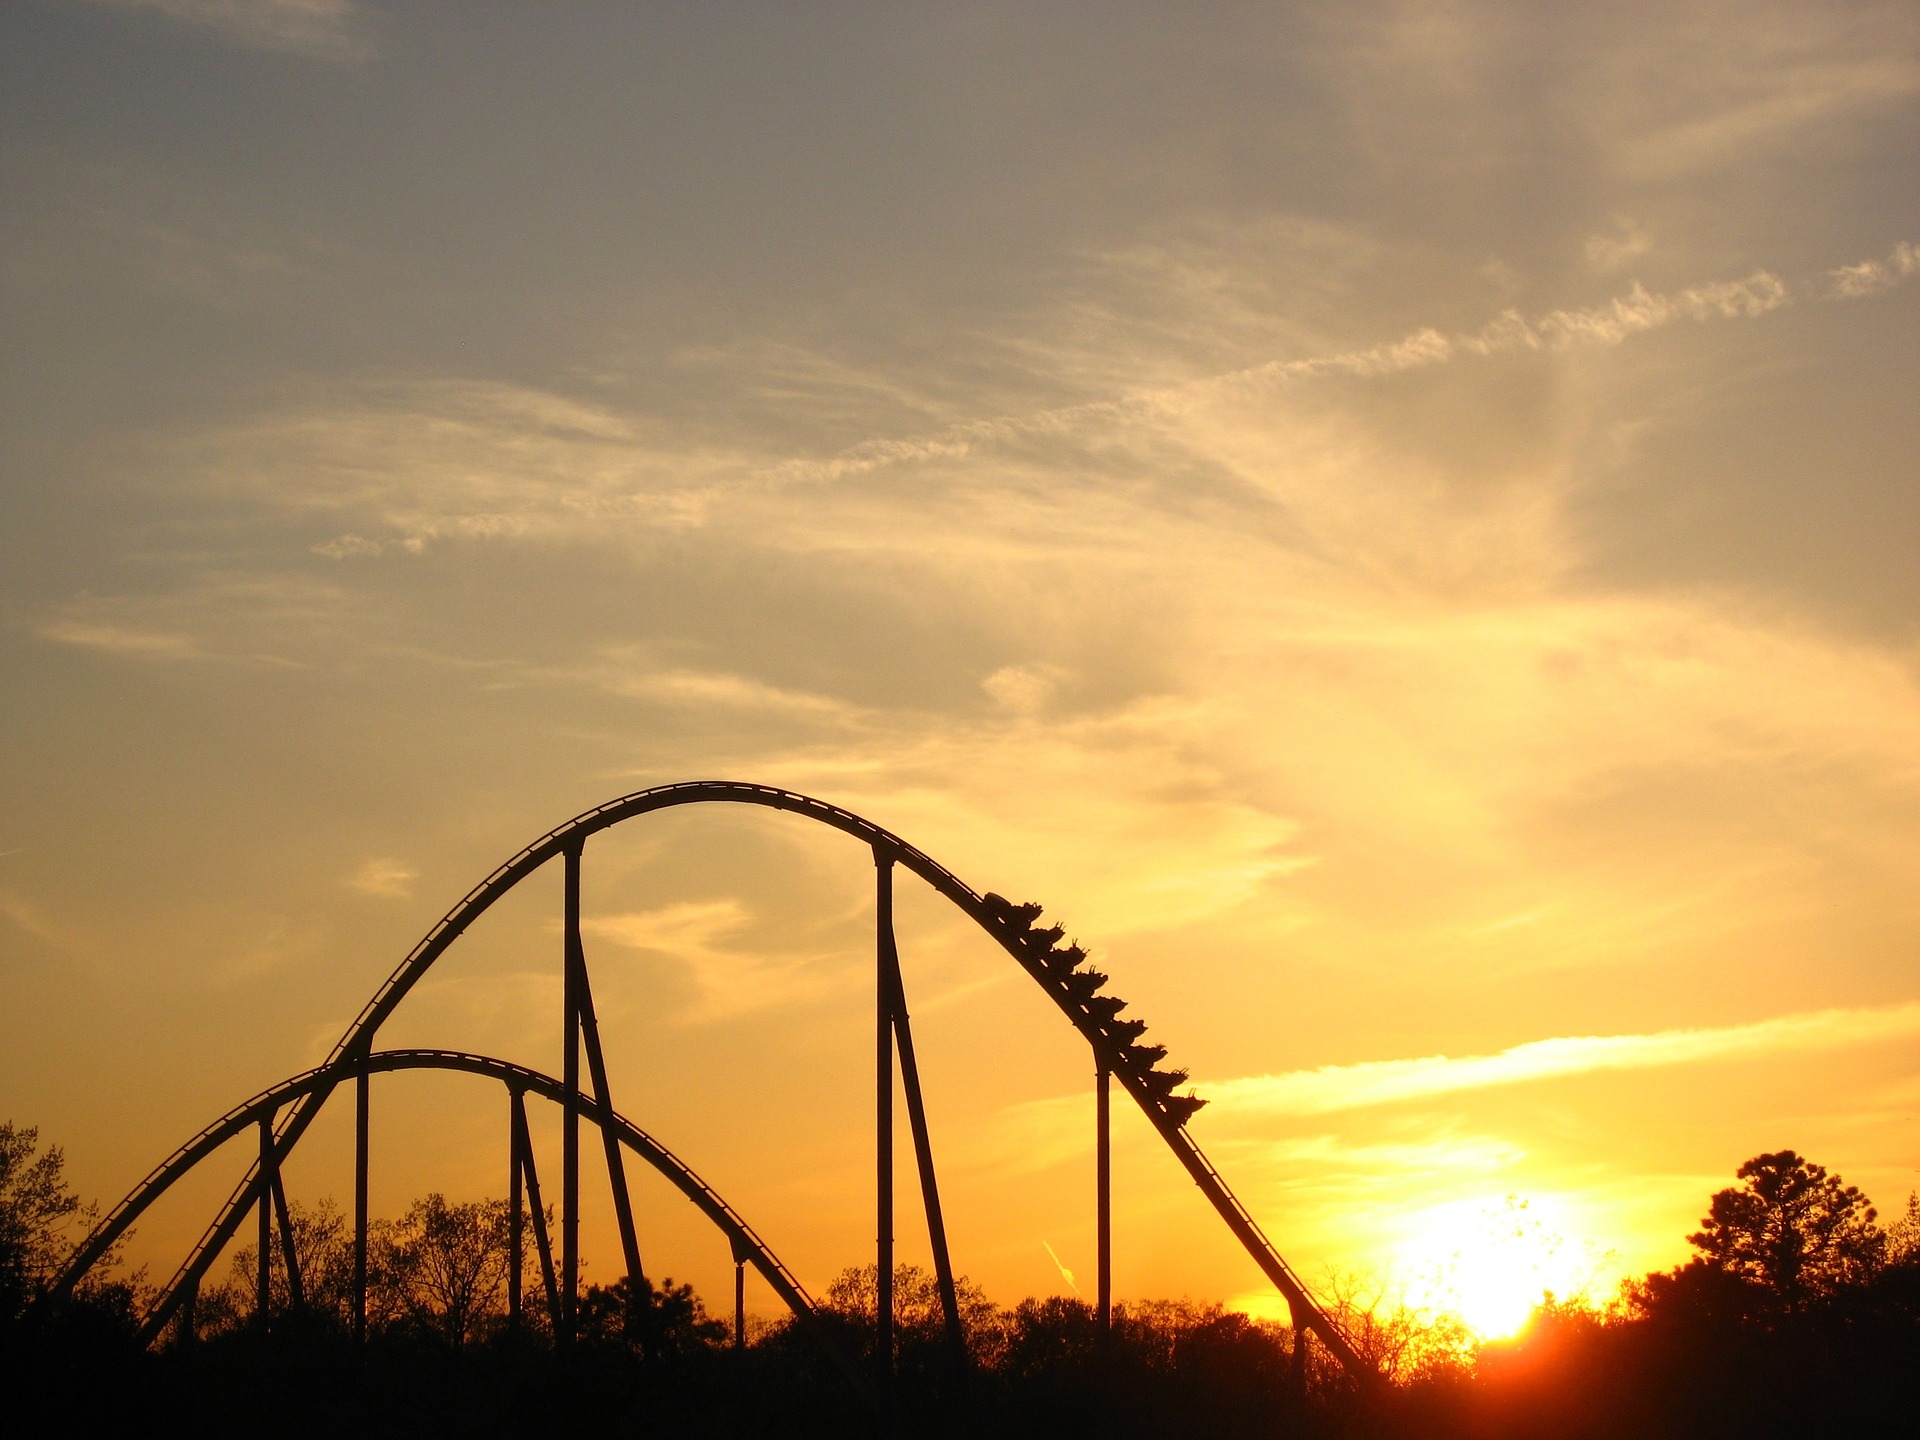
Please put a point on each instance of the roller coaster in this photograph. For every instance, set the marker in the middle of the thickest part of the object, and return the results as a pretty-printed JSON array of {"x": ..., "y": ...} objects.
[{"x": 282, "y": 1114}]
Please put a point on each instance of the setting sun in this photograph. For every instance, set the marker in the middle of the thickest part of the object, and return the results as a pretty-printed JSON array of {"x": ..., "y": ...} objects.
[{"x": 1489, "y": 1262}]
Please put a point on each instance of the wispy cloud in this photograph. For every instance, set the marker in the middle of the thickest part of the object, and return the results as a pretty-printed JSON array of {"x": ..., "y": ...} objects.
[
  {"x": 401, "y": 467},
  {"x": 1717, "y": 89},
  {"x": 706, "y": 690},
  {"x": 251, "y": 617},
  {"x": 386, "y": 878},
  {"x": 730, "y": 980},
  {"x": 1629, "y": 241},
  {"x": 350, "y": 546},
  {"x": 1383, "y": 1082},
  {"x": 319, "y": 29},
  {"x": 122, "y": 640},
  {"x": 1870, "y": 277},
  {"x": 31, "y": 919},
  {"x": 1635, "y": 312}
]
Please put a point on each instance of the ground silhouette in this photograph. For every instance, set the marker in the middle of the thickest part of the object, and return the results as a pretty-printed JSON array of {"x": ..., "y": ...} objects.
[{"x": 1799, "y": 1315}]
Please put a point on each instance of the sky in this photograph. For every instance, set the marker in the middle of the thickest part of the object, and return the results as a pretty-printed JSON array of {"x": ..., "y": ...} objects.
[{"x": 1395, "y": 523}]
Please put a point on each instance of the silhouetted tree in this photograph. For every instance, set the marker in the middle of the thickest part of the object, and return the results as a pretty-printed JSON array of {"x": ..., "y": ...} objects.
[
  {"x": 1396, "y": 1339},
  {"x": 918, "y": 1318},
  {"x": 1798, "y": 1317},
  {"x": 1903, "y": 1235},
  {"x": 38, "y": 1216},
  {"x": 322, "y": 1243},
  {"x": 1793, "y": 1231},
  {"x": 441, "y": 1268},
  {"x": 659, "y": 1324}
]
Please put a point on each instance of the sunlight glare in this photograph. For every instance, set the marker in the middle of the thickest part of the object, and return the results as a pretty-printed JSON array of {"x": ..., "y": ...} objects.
[{"x": 1489, "y": 1262}]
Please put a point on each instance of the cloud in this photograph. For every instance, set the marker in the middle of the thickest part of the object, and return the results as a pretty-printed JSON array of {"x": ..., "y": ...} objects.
[
  {"x": 681, "y": 929},
  {"x": 121, "y": 640},
  {"x": 1112, "y": 818},
  {"x": 730, "y": 981},
  {"x": 1048, "y": 504},
  {"x": 408, "y": 465},
  {"x": 706, "y": 690},
  {"x": 500, "y": 1012},
  {"x": 1035, "y": 1135},
  {"x": 1630, "y": 314},
  {"x": 31, "y": 919},
  {"x": 1384, "y": 1082},
  {"x": 350, "y": 546},
  {"x": 318, "y": 29},
  {"x": 1203, "y": 636},
  {"x": 1723, "y": 86},
  {"x": 1024, "y": 689},
  {"x": 1870, "y": 277},
  {"x": 1153, "y": 657},
  {"x": 386, "y": 878},
  {"x": 1629, "y": 241},
  {"x": 254, "y": 617}
]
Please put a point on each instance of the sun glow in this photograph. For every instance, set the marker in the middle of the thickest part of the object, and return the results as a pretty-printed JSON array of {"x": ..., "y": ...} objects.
[{"x": 1489, "y": 1262}]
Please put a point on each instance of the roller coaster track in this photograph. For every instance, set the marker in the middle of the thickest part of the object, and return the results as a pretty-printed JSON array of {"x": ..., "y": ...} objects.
[
  {"x": 518, "y": 1079},
  {"x": 289, "y": 1108}
]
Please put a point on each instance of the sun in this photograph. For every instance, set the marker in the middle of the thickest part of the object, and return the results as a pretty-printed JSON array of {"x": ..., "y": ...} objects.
[{"x": 1489, "y": 1262}]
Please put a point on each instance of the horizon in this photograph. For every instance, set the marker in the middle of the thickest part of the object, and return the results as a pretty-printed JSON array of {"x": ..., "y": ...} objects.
[{"x": 1395, "y": 526}]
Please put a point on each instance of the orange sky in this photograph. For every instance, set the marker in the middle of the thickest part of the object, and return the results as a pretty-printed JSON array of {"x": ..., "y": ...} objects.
[{"x": 1394, "y": 522}]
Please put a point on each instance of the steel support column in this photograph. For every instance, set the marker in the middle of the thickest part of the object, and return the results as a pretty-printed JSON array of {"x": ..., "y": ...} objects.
[
  {"x": 739, "y": 1303},
  {"x": 362, "y": 1104},
  {"x": 1103, "y": 1193},
  {"x": 1298, "y": 1362},
  {"x": 883, "y": 1123},
  {"x": 570, "y": 1117},
  {"x": 263, "y": 1269},
  {"x": 516, "y": 1212}
]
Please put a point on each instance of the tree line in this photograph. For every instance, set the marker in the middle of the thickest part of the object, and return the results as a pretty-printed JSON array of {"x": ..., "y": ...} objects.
[{"x": 1798, "y": 1313}]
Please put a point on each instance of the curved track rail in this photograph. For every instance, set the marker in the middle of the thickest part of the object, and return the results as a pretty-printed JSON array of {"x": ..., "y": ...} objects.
[
  {"x": 319, "y": 1083},
  {"x": 1057, "y": 969}
]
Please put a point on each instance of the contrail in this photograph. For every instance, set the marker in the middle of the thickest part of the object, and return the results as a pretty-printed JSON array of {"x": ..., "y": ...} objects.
[
  {"x": 1065, "y": 1274},
  {"x": 1608, "y": 323}
]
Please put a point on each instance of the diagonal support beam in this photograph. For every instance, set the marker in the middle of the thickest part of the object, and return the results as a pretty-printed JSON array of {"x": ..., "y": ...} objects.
[
  {"x": 923, "y": 1153},
  {"x": 296, "y": 1292},
  {"x": 536, "y": 1209},
  {"x": 186, "y": 1282},
  {"x": 616, "y": 1166}
]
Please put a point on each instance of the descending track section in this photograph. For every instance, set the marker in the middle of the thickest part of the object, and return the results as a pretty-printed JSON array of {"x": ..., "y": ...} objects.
[{"x": 1059, "y": 969}]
